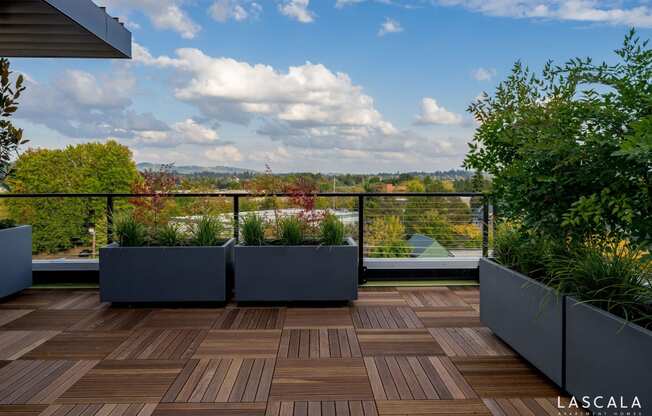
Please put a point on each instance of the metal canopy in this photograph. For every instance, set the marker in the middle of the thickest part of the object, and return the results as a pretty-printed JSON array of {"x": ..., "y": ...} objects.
[{"x": 60, "y": 29}]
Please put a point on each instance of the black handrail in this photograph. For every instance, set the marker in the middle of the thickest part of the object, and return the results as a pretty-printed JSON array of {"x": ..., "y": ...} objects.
[
  {"x": 360, "y": 196},
  {"x": 239, "y": 194}
]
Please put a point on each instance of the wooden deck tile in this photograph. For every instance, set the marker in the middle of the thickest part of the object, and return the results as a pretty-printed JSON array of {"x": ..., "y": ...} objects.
[
  {"x": 470, "y": 295},
  {"x": 431, "y": 297},
  {"x": 393, "y": 298},
  {"x": 159, "y": 344},
  {"x": 496, "y": 377},
  {"x": 8, "y": 315},
  {"x": 526, "y": 406},
  {"x": 433, "y": 407},
  {"x": 251, "y": 318},
  {"x": 39, "y": 381},
  {"x": 222, "y": 381},
  {"x": 34, "y": 299},
  {"x": 210, "y": 409},
  {"x": 449, "y": 316},
  {"x": 125, "y": 409},
  {"x": 53, "y": 320},
  {"x": 239, "y": 343},
  {"x": 319, "y": 343},
  {"x": 385, "y": 317},
  {"x": 15, "y": 344},
  {"x": 79, "y": 300},
  {"x": 78, "y": 346},
  {"x": 22, "y": 410},
  {"x": 133, "y": 381},
  {"x": 318, "y": 318},
  {"x": 398, "y": 342},
  {"x": 325, "y": 408},
  {"x": 181, "y": 318},
  {"x": 416, "y": 378},
  {"x": 468, "y": 342},
  {"x": 322, "y": 379},
  {"x": 112, "y": 319}
]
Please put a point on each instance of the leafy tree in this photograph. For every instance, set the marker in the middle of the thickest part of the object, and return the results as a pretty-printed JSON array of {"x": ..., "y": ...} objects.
[
  {"x": 386, "y": 238},
  {"x": 61, "y": 223},
  {"x": 569, "y": 150},
  {"x": 11, "y": 138}
]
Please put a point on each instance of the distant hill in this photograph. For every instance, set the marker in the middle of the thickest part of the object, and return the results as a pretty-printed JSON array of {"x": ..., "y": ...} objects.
[{"x": 192, "y": 169}]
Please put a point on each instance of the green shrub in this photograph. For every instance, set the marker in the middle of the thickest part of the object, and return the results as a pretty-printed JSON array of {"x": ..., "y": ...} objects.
[
  {"x": 291, "y": 231},
  {"x": 610, "y": 276},
  {"x": 208, "y": 232},
  {"x": 129, "y": 232},
  {"x": 8, "y": 223},
  {"x": 331, "y": 231},
  {"x": 253, "y": 230},
  {"x": 169, "y": 235}
]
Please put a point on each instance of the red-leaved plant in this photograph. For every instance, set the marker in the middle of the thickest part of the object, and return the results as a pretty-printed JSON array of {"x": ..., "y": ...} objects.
[{"x": 159, "y": 182}]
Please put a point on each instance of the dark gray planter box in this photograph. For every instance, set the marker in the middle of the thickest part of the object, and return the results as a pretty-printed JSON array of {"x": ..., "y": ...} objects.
[
  {"x": 15, "y": 259},
  {"x": 165, "y": 274},
  {"x": 296, "y": 273},
  {"x": 525, "y": 314},
  {"x": 605, "y": 356}
]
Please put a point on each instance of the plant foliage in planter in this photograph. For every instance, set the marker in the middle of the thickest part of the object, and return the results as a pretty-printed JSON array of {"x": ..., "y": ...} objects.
[
  {"x": 207, "y": 232},
  {"x": 7, "y": 223}
]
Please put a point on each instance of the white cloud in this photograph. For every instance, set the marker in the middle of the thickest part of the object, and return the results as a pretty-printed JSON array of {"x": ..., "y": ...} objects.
[
  {"x": 80, "y": 105},
  {"x": 297, "y": 10},
  {"x": 483, "y": 74},
  {"x": 618, "y": 12},
  {"x": 306, "y": 104},
  {"x": 433, "y": 113},
  {"x": 343, "y": 3},
  {"x": 224, "y": 154},
  {"x": 163, "y": 14},
  {"x": 238, "y": 10},
  {"x": 390, "y": 26},
  {"x": 638, "y": 13}
]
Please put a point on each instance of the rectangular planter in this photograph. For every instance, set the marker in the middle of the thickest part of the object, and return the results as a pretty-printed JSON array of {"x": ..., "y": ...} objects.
[
  {"x": 296, "y": 273},
  {"x": 165, "y": 274},
  {"x": 15, "y": 259},
  {"x": 525, "y": 314},
  {"x": 605, "y": 356}
]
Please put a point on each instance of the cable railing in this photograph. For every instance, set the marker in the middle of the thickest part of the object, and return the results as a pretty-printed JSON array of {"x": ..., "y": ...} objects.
[{"x": 400, "y": 226}]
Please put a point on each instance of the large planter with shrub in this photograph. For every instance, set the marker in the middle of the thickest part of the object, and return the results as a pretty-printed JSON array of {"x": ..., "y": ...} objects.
[
  {"x": 525, "y": 314},
  {"x": 272, "y": 273},
  {"x": 607, "y": 356},
  {"x": 15, "y": 259},
  {"x": 165, "y": 274}
]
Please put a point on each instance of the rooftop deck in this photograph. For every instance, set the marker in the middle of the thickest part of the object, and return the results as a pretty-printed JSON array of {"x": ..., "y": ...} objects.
[{"x": 395, "y": 351}]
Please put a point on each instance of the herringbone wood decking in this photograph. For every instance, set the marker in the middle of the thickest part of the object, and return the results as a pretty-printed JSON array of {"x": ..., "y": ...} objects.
[{"x": 403, "y": 351}]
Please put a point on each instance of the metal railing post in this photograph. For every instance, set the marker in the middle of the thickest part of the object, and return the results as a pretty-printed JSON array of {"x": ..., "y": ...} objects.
[
  {"x": 485, "y": 226},
  {"x": 109, "y": 219},
  {"x": 236, "y": 217},
  {"x": 361, "y": 271}
]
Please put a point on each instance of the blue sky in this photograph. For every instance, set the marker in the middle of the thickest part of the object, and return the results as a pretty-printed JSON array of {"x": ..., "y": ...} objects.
[{"x": 328, "y": 85}]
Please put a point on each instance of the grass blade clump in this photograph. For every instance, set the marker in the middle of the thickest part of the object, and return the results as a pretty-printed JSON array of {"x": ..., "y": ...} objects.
[
  {"x": 208, "y": 232},
  {"x": 331, "y": 231},
  {"x": 7, "y": 223},
  {"x": 253, "y": 230},
  {"x": 169, "y": 235},
  {"x": 291, "y": 231},
  {"x": 129, "y": 232},
  {"x": 613, "y": 277}
]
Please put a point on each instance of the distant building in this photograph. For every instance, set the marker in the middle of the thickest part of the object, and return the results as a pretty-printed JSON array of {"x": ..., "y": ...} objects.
[{"x": 424, "y": 246}]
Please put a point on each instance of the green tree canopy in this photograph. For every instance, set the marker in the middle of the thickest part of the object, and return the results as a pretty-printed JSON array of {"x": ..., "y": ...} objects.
[
  {"x": 59, "y": 223},
  {"x": 569, "y": 150}
]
